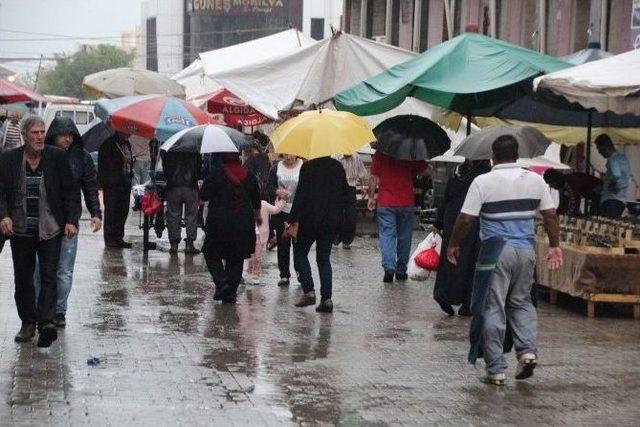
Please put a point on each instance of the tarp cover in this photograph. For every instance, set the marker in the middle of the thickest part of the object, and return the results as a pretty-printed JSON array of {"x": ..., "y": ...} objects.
[
  {"x": 466, "y": 73},
  {"x": 610, "y": 84}
]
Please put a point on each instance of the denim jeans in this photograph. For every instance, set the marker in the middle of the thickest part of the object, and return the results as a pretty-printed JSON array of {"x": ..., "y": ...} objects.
[
  {"x": 395, "y": 229},
  {"x": 509, "y": 299},
  {"x": 323, "y": 259},
  {"x": 64, "y": 275}
]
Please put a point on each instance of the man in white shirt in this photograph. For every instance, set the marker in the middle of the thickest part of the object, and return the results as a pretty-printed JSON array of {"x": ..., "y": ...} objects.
[{"x": 506, "y": 200}]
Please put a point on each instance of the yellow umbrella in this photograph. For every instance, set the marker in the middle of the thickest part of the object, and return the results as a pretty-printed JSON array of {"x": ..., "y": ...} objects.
[{"x": 322, "y": 133}]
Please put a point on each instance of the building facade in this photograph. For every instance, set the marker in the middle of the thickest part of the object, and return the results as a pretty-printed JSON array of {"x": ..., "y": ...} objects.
[
  {"x": 173, "y": 32},
  {"x": 555, "y": 27}
]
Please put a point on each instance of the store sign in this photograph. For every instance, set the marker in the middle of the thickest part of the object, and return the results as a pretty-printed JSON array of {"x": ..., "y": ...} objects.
[{"x": 235, "y": 7}]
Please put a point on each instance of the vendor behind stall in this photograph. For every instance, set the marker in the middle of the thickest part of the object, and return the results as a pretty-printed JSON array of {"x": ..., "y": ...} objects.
[
  {"x": 573, "y": 188},
  {"x": 616, "y": 179}
]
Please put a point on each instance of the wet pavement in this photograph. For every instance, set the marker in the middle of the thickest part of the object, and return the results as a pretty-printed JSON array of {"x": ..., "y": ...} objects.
[{"x": 169, "y": 355}]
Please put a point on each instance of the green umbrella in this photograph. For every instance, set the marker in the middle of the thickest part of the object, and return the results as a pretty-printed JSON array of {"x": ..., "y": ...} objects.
[{"x": 467, "y": 73}]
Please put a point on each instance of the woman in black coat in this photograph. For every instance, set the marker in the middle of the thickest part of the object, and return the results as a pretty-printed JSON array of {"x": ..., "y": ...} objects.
[
  {"x": 454, "y": 282},
  {"x": 230, "y": 231}
]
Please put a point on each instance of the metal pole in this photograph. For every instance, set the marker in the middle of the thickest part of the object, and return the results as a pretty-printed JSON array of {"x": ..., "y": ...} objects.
[
  {"x": 588, "y": 148},
  {"x": 468, "y": 124}
]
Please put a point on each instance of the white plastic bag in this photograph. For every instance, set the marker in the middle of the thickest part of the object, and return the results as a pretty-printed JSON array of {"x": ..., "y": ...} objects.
[{"x": 415, "y": 272}]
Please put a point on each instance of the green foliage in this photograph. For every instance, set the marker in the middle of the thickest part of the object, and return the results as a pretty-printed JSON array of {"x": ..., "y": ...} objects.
[{"x": 65, "y": 78}]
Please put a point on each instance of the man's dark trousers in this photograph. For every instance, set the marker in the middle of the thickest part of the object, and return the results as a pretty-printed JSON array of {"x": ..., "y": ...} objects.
[
  {"x": 24, "y": 251},
  {"x": 116, "y": 211}
]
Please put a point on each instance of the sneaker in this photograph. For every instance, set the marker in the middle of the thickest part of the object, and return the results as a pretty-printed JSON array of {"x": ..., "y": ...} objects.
[
  {"x": 388, "y": 276},
  {"x": 60, "y": 321},
  {"x": 325, "y": 306},
  {"x": 494, "y": 379},
  {"x": 26, "y": 333},
  {"x": 401, "y": 277},
  {"x": 284, "y": 281},
  {"x": 48, "y": 334},
  {"x": 308, "y": 298},
  {"x": 526, "y": 364}
]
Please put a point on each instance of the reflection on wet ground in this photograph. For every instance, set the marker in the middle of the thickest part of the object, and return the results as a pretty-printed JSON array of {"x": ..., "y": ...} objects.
[{"x": 170, "y": 355}]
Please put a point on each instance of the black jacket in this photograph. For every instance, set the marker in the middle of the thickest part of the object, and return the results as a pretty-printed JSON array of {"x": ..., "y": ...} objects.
[
  {"x": 181, "y": 169},
  {"x": 84, "y": 173},
  {"x": 111, "y": 162},
  {"x": 63, "y": 196},
  {"x": 321, "y": 197}
]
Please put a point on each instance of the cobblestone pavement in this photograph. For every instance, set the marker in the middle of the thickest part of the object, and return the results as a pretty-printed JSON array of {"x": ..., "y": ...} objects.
[{"x": 171, "y": 356}]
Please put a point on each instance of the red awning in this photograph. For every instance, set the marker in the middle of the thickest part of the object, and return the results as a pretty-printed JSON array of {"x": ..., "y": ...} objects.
[{"x": 12, "y": 92}]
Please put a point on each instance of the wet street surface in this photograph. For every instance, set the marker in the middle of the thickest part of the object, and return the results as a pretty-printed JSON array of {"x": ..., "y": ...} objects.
[{"x": 387, "y": 355}]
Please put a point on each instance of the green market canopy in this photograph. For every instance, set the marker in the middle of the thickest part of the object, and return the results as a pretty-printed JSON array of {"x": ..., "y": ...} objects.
[{"x": 471, "y": 74}]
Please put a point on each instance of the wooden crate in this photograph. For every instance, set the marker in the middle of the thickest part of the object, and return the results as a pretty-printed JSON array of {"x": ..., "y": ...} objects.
[{"x": 594, "y": 298}]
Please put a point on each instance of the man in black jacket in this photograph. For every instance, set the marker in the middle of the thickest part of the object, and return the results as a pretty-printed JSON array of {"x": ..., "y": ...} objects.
[
  {"x": 321, "y": 199},
  {"x": 63, "y": 133},
  {"x": 39, "y": 206},
  {"x": 115, "y": 171},
  {"x": 182, "y": 171}
]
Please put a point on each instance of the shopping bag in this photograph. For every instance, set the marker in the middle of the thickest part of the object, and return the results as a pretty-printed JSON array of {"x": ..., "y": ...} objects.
[
  {"x": 433, "y": 243},
  {"x": 151, "y": 203},
  {"x": 428, "y": 259}
]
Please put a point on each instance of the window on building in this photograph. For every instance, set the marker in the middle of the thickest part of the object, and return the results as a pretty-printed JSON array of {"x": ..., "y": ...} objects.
[
  {"x": 395, "y": 22},
  {"x": 152, "y": 45},
  {"x": 424, "y": 26},
  {"x": 317, "y": 28},
  {"x": 376, "y": 18}
]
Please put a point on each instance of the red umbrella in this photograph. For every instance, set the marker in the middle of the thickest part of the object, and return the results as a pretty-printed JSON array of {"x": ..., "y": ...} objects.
[
  {"x": 235, "y": 110},
  {"x": 12, "y": 92}
]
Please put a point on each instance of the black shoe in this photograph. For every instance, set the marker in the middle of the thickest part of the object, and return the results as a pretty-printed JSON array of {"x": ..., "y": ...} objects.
[
  {"x": 118, "y": 245},
  {"x": 447, "y": 308},
  {"x": 388, "y": 276},
  {"x": 191, "y": 250},
  {"x": 60, "y": 321},
  {"x": 26, "y": 333},
  {"x": 464, "y": 311},
  {"x": 48, "y": 334},
  {"x": 325, "y": 306},
  {"x": 401, "y": 277},
  {"x": 173, "y": 249},
  {"x": 220, "y": 292},
  {"x": 284, "y": 281},
  {"x": 125, "y": 245},
  {"x": 229, "y": 299},
  {"x": 308, "y": 298}
]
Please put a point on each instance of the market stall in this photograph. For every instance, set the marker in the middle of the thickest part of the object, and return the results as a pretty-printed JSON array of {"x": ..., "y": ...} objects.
[{"x": 601, "y": 262}]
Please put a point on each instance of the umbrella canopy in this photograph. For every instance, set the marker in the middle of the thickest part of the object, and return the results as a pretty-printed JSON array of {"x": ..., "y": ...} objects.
[
  {"x": 531, "y": 142},
  {"x": 322, "y": 133},
  {"x": 119, "y": 82},
  {"x": 611, "y": 84},
  {"x": 13, "y": 92},
  {"x": 463, "y": 74},
  {"x": 234, "y": 110},
  {"x": 410, "y": 137},
  {"x": 207, "y": 139},
  {"x": 586, "y": 55},
  {"x": 150, "y": 116},
  {"x": 538, "y": 161},
  {"x": 96, "y": 135}
]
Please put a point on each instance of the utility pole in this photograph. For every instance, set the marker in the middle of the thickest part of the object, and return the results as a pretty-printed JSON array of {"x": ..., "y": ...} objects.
[{"x": 35, "y": 83}]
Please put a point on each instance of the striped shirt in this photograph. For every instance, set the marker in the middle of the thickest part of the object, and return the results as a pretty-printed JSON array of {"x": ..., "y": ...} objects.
[
  {"x": 354, "y": 169},
  {"x": 507, "y": 199},
  {"x": 33, "y": 179},
  {"x": 11, "y": 137}
]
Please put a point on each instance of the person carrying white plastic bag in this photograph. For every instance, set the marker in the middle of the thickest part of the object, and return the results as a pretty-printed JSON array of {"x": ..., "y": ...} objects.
[{"x": 416, "y": 272}]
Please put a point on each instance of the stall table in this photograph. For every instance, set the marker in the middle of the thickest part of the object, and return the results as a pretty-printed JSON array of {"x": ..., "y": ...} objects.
[{"x": 597, "y": 275}]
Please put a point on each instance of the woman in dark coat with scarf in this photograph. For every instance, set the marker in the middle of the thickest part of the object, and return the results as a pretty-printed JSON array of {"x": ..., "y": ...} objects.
[
  {"x": 454, "y": 282},
  {"x": 230, "y": 231}
]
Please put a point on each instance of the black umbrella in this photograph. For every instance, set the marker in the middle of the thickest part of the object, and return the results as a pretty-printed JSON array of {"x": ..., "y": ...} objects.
[
  {"x": 411, "y": 137},
  {"x": 94, "y": 137}
]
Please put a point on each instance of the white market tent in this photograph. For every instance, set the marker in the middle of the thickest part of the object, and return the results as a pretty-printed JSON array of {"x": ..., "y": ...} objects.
[
  {"x": 195, "y": 80},
  {"x": 610, "y": 84},
  {"x": 315, "y": 74}
]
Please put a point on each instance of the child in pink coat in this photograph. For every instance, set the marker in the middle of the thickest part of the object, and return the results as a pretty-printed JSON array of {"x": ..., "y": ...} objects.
[{"x": 254, "y": 264}]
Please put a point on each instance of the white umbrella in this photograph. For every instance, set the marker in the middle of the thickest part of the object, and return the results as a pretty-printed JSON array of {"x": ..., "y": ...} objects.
[
  {"x": 610, "y": 84},
  {"x": 118, "y": 82},
  {"x": 206, "y": 139}
]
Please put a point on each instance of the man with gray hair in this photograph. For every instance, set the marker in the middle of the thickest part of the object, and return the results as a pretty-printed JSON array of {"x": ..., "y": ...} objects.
[{"x": 39, "y": 206}]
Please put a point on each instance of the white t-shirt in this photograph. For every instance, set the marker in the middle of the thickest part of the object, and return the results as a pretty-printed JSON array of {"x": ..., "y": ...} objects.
[
  {"x": 506, "y": 200},
  {"x": 288, "y": 180}
]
